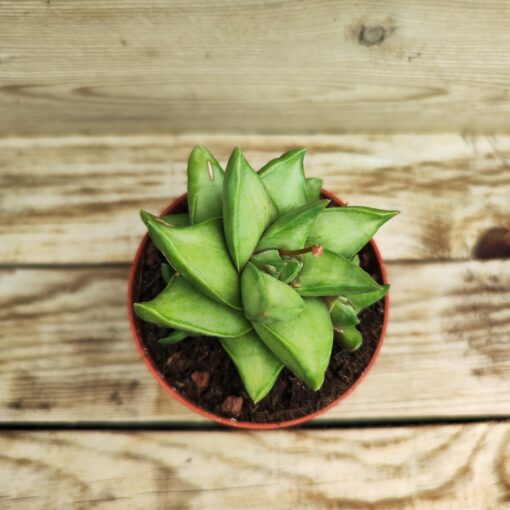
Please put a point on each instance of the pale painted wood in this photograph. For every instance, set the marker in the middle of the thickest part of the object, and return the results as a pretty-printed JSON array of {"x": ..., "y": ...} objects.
[
  {"x": 409, "y": 468},
  {"x": 67, "y": 353},
  {"x": 132, "y": 66},
  {"x": 76, "y": 199}
]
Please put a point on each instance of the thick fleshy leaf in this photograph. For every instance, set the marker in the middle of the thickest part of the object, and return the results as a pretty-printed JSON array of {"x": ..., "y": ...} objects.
[
  {"x": 177, "y": 220},
  {"x": 292, "y": 268},
  {"x": 313, "y": 188},
  {"x": 205, "y": 185},
  {"x": 332, "y": 275},
  {"x": 200, "y": 255},
  {"x": 247, "y": 209},
  {"x": 267, "y": 299},
  {"x": 342, "y": 312},
  {"x": 258, "y": 367},
  {"x": 283, "y": 268},
  {"x": 174, "y": 337},
  {"x": 349, "y": 338},
  {"x": 355, "y": 259},
  {"x": 167, "y": 271},
  {"x": 269, "y": 261},
  {"x": 181, "y": 306},
  {"x": 304, "y": 343},
  {"x": 364, "y": 300},
  {"x": 284, "y": 179},
  {"x": 345, "y": 230},
  {"x": 291, "y": 230},
  {"x": 174, "y": 220}
]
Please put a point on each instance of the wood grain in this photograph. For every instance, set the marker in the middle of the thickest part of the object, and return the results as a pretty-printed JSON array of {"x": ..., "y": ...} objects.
[
  {"x": 68, "y": 356},
  {"x": 76, "y": 199},
  {"x": 133, "y": 66},
  {"x": 408, "y": 468}
]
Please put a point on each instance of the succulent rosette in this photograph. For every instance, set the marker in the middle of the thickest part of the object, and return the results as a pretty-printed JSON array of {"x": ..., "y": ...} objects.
[{"x": 261, "y": 264}]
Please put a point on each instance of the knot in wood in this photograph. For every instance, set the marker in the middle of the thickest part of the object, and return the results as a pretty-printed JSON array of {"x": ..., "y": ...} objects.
[{"x": 369, "y": 36}]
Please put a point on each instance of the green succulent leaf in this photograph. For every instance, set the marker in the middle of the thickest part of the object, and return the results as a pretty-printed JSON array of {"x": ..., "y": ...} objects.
[
  {"x": 291, "y": 230},
  {"x": 365, "y": 299},
  {"x": 349, "y": 338},
  {"x": 331, "y": 275},
  {"x": 181, "y": 306},
  {"x": 269, "y": 261},
  {"x": 205, "y": 185},
  {"x": 304, "y": 343},
  {"x": 199, "y": 254},
  {"x": 283, "y": 268},
  {"x": 267, "y": 299},
  {"x": 258, "y": 367},
  {"x": 174, "y": 337},
  {"x": 177, "y": 220},
  {"x": 313, "y": 189},
  {"x": 355, "y": 259},
  {"x": 247, "y": 209},
  {"x": 342, "y": 312},
  {"x": 345, "y": 230},
  {"x": 174, "y": 220},
  {"x": 167, "y": 271},
  {"x": 291, "y": 270},
  {"x": 284, "y": 179}
]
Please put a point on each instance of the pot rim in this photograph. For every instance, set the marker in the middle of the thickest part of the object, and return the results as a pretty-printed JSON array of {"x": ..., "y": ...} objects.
[{"x": 231, "y": 422}]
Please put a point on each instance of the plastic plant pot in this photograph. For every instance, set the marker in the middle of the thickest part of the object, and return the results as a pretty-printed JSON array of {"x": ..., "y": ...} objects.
[{"x": 137, "y": 336}]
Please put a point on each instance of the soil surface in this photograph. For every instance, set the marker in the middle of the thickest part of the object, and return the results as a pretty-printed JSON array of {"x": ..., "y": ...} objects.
[{"x": 200, "y": 370}]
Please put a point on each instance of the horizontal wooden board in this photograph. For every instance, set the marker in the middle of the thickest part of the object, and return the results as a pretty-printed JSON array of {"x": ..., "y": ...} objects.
[
  {"x": 67, "y": 353},
  {"x": 132, "y": 66},
  {"x": 76, "y": 199},
  {"x": 408, "y": 468}
]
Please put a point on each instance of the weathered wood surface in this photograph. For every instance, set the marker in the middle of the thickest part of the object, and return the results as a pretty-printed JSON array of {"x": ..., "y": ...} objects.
[
  {"x": 76, "y": 200},
  {"x": 67, "y": 352},
  {"x": 409, "y": 468},
  {"x": 133, "y": 66}
]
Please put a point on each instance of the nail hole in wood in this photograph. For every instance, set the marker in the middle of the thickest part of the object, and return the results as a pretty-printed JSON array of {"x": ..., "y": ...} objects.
[{"x": 493, "y": 244}]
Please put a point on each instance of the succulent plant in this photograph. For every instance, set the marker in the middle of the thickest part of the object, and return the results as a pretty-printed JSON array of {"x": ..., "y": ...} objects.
[{"x": 263, "y": 266}]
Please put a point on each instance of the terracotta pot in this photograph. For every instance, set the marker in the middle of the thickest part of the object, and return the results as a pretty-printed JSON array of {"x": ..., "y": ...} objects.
[{"x": 135, "y": 330}]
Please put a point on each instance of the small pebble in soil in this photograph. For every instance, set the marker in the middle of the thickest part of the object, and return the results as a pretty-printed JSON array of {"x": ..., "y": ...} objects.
[
  {"x": 232, "y": 406},
  {"x": 177, "y": 362},
  {"x": 201, "y": 380}
]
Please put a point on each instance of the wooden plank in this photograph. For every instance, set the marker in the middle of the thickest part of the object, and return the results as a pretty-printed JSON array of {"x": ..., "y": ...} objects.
[
  {"x": 408, "y": 468},
  {"x": 73, "y": 200},
  {"x": 68, "y": 355},
  {"x": 133, "y": 66}
]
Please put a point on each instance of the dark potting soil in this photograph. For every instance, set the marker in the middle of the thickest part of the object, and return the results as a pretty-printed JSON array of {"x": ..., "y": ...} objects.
[{"x": 200, "y": 370}]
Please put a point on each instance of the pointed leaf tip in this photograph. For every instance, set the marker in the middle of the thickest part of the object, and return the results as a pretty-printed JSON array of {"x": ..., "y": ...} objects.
[
  {"x": 146, "y": 216},
  {"x": 284, "y": 180},
  {"x": 205, "y": 185},
  {"x": 345, "y": 230},
  {"x": 247, "y": 209},
  {"x": 258, "y": 367},
  {"x": 331, "y": 275},
  {"x": 349, "y": 338},
  {"x": 199, "y": 254},
  {"x": 364, "y": 300},
  {"x": 181, "y": 306},
  {"x": 289, "y": 232},
  {"x": 266, "y": 298},
  {"x": 304, "y": 343}
]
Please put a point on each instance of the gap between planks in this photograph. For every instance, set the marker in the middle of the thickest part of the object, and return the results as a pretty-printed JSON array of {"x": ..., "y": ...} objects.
[{"x": 203, "y": 426}]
